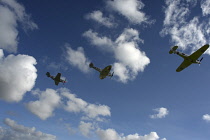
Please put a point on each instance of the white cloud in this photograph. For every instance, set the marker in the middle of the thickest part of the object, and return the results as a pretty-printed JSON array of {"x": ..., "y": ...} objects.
[
  {"x": 129, "y": 9},
  {"x": 205, "y": 4},
  {"x": 50, "y": 99},
  {"x": 162, "y": 112},
  {"x": 111, "y": 134},
  {"x": 11, "y": 12},
  {"x": 77, "y": 58},
  {"x": 103, "y": 43},
  {"x": 206, "y": 117},
  {"x": 18, "y": 75},
  {"x": 185, "y": 33},
  {"x": 44, "y": 107},
  {"x": 130, "y": 60},
  {"x": 85, "y": 128},
  {"x": 77, "y": 105},
  {"x": 98, "y": 17},
  {"x": 20, "y": 132}
]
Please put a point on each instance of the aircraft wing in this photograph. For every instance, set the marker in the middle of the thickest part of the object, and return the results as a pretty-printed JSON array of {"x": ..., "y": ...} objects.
[
  {"x": 56, "y": 82},
  {"x": 57, "y": 77},
  {"x": 199, "y": 52},
  {"x": 184, "y": 64}
]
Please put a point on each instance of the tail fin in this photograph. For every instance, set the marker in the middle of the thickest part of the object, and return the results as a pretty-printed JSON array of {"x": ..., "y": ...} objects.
[
  {"x": 91, "y": 65},
  {"x": 173, "y": 49},
  {"x": 48, "y": 74}
]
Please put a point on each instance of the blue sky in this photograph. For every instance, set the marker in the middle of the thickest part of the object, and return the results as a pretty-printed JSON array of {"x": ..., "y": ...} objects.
[{"x": 145, "y": 100}]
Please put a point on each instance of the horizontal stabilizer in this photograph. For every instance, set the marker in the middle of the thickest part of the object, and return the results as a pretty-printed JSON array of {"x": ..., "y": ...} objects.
[
  {"x": 91, "y": 65},
  {"x": 48, "y": 74},
  {"x": 173, "y": 49}
]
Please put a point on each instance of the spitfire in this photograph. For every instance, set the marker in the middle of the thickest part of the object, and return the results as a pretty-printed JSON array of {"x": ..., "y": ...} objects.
[
  {"x": 189, "y": 59},
  {"x": 103, "y": 72},
  {"x": 57, "y": 78}
]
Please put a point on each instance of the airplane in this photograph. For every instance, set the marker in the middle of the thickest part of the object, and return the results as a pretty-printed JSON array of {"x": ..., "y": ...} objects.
[
  {"x": 57, "y": 78},
  {"x": 103, "y": 72},
  {"x": 189, "y": 59}
]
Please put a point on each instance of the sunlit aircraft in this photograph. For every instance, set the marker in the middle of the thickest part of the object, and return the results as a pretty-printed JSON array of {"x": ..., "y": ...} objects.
[
  {"x": 189, "y": 59},
  {"x": 57, "y": 79},
  {"x": 103, "y": 72}
]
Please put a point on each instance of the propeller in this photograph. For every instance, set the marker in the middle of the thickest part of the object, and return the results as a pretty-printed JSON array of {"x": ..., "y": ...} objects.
[
  {"x": 64, "y": 81},
  {"x": 112, "y": 74},
  {"x": 201, "y": 59}
]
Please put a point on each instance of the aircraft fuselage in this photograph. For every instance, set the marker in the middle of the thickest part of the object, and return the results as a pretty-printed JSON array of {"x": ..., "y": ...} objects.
[
  {"x": 186, "y": 57},
  {"x": 105, "y": 72}
]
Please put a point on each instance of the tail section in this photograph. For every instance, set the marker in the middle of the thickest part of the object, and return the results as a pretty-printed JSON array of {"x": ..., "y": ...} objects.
[
  {"x": 91, "y": 65},
  {"x": 173, "y": 49},
  {"x": 48, "y": 74}
]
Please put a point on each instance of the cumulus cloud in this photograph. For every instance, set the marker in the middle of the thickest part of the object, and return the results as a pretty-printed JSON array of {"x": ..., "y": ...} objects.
[
  {"x": 130, "y": 9},
  {"x": 50, "y": 99},
  {"x": 85, "y": 128},
  {"x": 162, "y": 112},
  {"x": 205, "y": 4},
  {"x": 111, "y": 134},
  {"x": 206, "y": 117},
  {"x": 18, "y": 75},
  {"x": 98, "y": 17},
  {"x": 12, "y": 13},
  {"x": 44, "y": 107},
  {"x": 185, "y": 33},
  {"x": 77, "y": 58},
  {"x": 75, "y": 104},
  {"x": 130, "y": 60},
  {"x": 20, "y": 132}
]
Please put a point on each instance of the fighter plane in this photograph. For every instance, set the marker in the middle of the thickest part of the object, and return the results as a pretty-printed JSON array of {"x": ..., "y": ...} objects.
[
  {"x": 103, "y": 72},
  {"x": 57, "y": 79},
  {"x": 189, "y": 59}
]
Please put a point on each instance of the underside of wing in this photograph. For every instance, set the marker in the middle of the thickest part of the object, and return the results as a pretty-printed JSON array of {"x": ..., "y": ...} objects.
[
  {"x": 58, "y": 76},
  {"x": 199, "y": 52},
  {"x": 184, "y": 64},
  {"x": 56, "y": 82}
]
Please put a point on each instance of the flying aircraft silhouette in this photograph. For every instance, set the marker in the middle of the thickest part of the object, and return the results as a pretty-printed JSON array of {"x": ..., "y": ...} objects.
[
  {"x": 57, "y": 78},
  {"x": 103, "y": 72},
  {"x": 189, "y": 59}
]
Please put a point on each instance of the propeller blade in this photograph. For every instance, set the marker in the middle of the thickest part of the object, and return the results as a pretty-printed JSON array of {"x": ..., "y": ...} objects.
[{"x": 201, "y": 59}]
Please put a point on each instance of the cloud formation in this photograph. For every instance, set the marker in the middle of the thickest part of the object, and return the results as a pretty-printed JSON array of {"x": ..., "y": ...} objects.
[
  {"x": 51, "y": 99},
  {"x": 99, "y": 18},
  {"x": 12, "y": 13},
  {"x": 18, "y": 75},
  {"x": 206, "y": 117},
  {"x": 20, "y": 132},
  {"x": 44, "y": 107},
  {"x": 111, "y": 134},
  {"x": 205, "y": 4},
  {"x": 76, "y": 105},
  {"x": 130, "y": 60},
  {"x": 77, "y": 58},
  {"x": 162, "y": 112},
  {"x": 130, "y": 9},
  {"x": 185, "y": 33},
  {"x": 85, "y": 128}
]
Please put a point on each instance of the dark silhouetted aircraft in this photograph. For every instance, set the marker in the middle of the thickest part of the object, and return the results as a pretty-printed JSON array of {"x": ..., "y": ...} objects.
[
  {"x": 103, "y": 72},
  {"x": 189, "y": 59},
  {"x": 57, "y": 78}
]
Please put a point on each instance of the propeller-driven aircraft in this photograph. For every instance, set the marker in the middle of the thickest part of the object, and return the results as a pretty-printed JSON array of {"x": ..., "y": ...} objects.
[
  {"x": 189, "y": 59},
  {"x": 103, "y": 72},
  {"x": 57, "y": 78}
]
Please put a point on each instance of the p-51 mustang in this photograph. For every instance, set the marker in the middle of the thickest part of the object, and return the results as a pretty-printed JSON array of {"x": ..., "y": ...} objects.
[
  {"x": 188, "y": 60},
  {"x": 57, "y": 79},
  {"x": 103, "y": 72}
]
